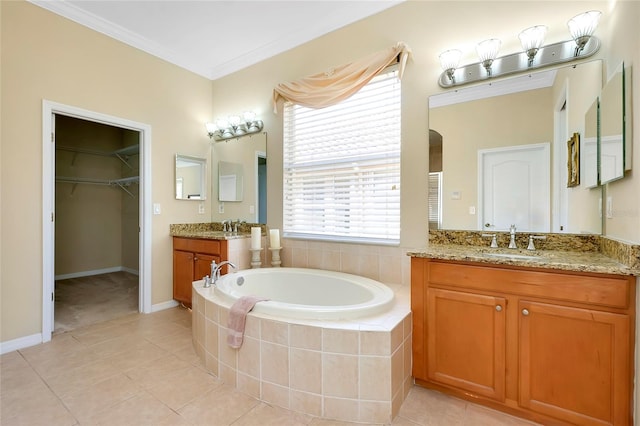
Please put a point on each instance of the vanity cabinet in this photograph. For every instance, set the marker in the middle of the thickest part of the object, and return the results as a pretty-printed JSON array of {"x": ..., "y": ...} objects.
[
  {"x": 192, "y": 261},
  {"x": 553, "y": 346}
]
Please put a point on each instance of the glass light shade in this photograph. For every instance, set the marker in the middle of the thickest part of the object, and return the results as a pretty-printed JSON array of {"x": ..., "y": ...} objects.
[
  {"x": 211, "y": 128},
  {"x": 234, "y": 120},
  {"x": 249, "y": 116},
  {"x": 488, "y": 49},
  {"x": 449, "y": 59},
  {"x": 222, "y": 124},
  {"x": 584, "y": 25},
  {"x": 533, "y": 37}
]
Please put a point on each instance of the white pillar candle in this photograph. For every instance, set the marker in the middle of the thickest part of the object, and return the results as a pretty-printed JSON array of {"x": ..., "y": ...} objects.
[
  {"x": 256, "y": 237},
  {"x": 274, "y": 236}
]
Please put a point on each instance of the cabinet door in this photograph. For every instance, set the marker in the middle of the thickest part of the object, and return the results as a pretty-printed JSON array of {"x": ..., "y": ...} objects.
[
  {"x": 182, "y": 276},
  {"x": 466, "y": 341},
  {"x": 574, "y": 363}
]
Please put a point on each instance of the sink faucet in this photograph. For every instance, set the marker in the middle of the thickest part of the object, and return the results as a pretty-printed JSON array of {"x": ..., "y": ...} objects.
[
  {"x": 224, "y": 225},
  {"x": 216, "y": 267},
  {"x": 512, "y": 242}
]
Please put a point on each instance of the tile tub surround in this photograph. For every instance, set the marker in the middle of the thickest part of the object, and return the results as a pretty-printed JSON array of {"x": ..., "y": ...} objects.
[{"x": 357, "y": 371}]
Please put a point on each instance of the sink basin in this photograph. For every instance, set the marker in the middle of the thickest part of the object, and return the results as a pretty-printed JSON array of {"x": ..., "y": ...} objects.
[{"x": 512, "y": 256}]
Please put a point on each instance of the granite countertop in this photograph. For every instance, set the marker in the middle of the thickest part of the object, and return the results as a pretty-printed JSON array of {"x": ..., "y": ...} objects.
[
  {"x": 577, "y": 261},
  {"x": 211, "y": 231},
  {"x": 209, "y": 235}
]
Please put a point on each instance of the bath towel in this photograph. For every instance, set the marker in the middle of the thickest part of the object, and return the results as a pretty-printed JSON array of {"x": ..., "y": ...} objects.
[{"x": 237, "y": 318}]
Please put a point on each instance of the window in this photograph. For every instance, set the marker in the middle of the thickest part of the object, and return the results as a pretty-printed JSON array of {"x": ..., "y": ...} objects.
[
  {"x": 435, "y": 200},
  {"x": 342, "y": 166}
]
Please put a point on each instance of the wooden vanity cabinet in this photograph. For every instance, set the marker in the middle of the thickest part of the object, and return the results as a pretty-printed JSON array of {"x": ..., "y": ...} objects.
[
  {"x": 192, "y": 261},
  {"x": 555, "y": 347}
]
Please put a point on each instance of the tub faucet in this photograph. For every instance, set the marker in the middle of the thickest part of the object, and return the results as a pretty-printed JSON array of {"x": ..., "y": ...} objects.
[
  {"x": 512, "y": 242},
  {"x": 215, "y": 269}
]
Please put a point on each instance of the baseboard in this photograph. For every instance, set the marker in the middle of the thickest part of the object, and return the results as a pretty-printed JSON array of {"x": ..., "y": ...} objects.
[
  {"x": 164, "y": 305},
  {"x": 20, "y": 343},
  {"x": 95, "y": 272}
]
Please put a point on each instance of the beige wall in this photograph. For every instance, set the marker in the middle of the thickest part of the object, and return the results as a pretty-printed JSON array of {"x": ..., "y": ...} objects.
[{"x": 47, "y": 57}]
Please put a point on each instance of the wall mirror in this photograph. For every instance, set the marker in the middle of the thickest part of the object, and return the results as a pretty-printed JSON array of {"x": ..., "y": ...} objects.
[
  {"x": 612, "y": 131},
  {"x": 589, "y": 153},
  {"x": 249, "y": 152},
  {"x": 230, "y": 181},
  {"x": 191, "y": 175},
  {"x": 535, "y": 110}
]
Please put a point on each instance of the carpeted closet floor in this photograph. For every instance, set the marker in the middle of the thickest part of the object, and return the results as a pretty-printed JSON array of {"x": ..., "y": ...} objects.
[{"x": 87, "y": 300}]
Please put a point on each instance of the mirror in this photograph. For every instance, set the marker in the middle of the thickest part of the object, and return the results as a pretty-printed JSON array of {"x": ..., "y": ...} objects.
[
  {"x": 230, "y": 181},
  {"x": 590, "y": 146},
  {"x": 191, "y": 175},
  {"x": 250, "y": 152},
  {"x": 612, "y": 137},
  {"x": 544, "y": 107}
]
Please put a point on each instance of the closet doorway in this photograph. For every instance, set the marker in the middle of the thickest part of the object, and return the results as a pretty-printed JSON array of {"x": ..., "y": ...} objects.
[{"x": 96, "y": 253}]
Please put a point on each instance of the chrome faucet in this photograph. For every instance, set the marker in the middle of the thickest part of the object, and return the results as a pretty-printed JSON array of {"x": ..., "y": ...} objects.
[
  {"x": 224, "y": 225},
  {"x": 512, "y": 242},
  {"x": 216, "y": 267}
]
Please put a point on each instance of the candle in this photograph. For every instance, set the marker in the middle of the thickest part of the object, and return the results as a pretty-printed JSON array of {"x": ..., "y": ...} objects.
[
  {"x": 256, "y": 237},
  {"x": 274, "y": 236}
]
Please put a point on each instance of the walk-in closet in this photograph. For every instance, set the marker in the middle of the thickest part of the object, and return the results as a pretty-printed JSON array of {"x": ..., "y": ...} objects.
[{"x": 96, "y": 222}]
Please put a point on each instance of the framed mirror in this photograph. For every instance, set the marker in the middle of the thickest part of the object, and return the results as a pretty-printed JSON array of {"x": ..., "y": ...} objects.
[
  {"x": 612, "y": 130},
  {"x": 230, "y": 181},
  {"x": 190, "y": 182},
  {"x": 541, "y": 108}
]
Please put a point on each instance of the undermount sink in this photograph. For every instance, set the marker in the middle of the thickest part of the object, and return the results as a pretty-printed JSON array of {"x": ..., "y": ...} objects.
[{"x": 512, "y": 256}]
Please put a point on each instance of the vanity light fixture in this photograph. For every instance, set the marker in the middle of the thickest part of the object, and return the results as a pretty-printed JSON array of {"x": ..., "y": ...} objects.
[
  {"x": 531, "y": 40},
  {"x": 582, "y": 28},
  {"x": 534, "y": 54},
  {"x": 487, "y": 52},
  {"x": 449, "y": 60},
  {"x": 234, "y": 126}
]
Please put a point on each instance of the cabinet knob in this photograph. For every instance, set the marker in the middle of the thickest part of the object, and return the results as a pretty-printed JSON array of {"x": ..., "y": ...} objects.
[
  {"x": 498, "y": 308},
  {"x": 525, "y": 312}
]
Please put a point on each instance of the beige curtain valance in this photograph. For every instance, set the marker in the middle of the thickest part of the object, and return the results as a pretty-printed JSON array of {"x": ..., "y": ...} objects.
[{"x": 337, "y": 84}]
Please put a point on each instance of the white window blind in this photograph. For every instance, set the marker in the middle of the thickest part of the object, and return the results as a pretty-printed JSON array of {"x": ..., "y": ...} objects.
[
  {"x": 342, "y": 166},
  {"x": 435, "y": 200}
]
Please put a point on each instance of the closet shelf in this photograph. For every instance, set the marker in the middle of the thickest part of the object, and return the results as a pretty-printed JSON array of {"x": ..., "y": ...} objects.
[
  {"x": 121, "y": 183},
  {"x": 122, "y": 154}
]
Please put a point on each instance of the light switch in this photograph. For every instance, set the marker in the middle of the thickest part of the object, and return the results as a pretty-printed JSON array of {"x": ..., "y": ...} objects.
[
  {"x": 156, "y": 208},
  {"x": 456, "y": 195},
  {"x": 472, "y": 209}
]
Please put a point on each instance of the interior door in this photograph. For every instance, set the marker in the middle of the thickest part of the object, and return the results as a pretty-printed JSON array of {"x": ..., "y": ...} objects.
[{"x": 514, "y": 187}]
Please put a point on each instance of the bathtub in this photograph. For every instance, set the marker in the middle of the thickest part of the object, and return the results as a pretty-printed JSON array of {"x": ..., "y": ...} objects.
[
  {"x": 326, "y": 344},
  {"x": 307, "y": 293}
]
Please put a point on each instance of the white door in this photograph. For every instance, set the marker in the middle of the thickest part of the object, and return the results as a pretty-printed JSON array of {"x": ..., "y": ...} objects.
[{"x": 514, "y": 187}]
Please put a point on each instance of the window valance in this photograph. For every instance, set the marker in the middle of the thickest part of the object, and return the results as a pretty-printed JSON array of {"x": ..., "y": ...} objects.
[{"x": 339, "y": 83}]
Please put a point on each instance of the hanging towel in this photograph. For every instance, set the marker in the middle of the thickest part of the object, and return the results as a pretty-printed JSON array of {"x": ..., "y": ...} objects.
[{"x": 237, "y": 318}]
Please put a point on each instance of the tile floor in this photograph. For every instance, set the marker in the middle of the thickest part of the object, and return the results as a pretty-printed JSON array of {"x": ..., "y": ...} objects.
[{"x": 142, "y": 370}]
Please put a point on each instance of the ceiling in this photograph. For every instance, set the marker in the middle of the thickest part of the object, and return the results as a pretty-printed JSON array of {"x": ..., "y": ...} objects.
[{"x": 214, "y": 38}]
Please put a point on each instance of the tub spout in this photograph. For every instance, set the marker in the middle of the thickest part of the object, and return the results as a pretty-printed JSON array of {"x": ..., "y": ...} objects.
[{"x": 215, "y": 270}]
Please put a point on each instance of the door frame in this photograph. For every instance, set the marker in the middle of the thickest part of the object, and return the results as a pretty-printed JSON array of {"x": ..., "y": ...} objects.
[{"x": 49, "y": 109}]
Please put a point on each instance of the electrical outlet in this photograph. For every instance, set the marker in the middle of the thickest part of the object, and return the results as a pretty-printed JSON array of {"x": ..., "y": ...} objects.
[
  {"x": 201, "y": 208},
  {"x": 221, "y": 208},
  {"x": 472, "y": 209},
  {"x": 609, "y": 207},
  {"x": 252, "y": 209}
]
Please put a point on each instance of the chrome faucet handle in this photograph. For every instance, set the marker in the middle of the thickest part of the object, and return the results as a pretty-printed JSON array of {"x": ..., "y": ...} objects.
[
  {"x": 207, "y": 282},
  {"x": 532, "y": 246},
  {"x": 494, "y": 242}
]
